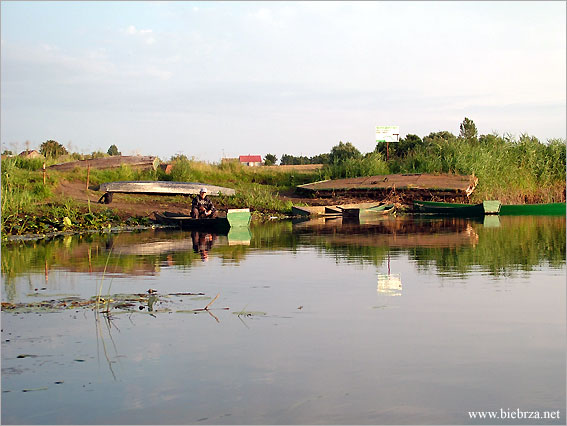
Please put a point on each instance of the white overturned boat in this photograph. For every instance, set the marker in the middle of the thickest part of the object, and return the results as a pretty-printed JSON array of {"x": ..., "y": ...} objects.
[{"x": 159, "y": 188}]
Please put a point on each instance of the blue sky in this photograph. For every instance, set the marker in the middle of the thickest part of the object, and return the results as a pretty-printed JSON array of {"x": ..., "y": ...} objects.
[{"x": 208, "y": 79}]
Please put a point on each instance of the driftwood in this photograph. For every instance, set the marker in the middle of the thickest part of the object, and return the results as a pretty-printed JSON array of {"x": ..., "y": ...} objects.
[{"x": 136, "y": 161}]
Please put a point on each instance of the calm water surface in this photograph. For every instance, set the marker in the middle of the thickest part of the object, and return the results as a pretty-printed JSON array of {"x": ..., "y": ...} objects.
[{"x": 398, "y": 321}]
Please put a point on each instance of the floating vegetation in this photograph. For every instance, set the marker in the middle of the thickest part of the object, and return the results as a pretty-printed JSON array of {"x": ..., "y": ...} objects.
[
  {"x": 149, "y": 302},
  {"x": 245, "y": 313}
]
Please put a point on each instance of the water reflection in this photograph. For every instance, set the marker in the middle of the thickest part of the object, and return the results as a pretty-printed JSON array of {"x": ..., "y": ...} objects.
[
  {"x": 307, "y": 313},
  {"x": 448, "y": 246}
]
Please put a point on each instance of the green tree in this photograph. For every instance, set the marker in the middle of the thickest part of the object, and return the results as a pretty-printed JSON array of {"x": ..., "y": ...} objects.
[
  {"x": 52, "y": 149},
  {"x": 113, "y": 150},
  {"x": 293, "y": 160},
  {"x": 439, "y": 138},
  {"x": 7, "y": 152},
  {"x": 342, "y": 152},
  {"x": 468, "y": 130},
  {"x": 270, "y": 160},
  {"x": 400, "y": 149},
  {"x": 321, "y": 159}
]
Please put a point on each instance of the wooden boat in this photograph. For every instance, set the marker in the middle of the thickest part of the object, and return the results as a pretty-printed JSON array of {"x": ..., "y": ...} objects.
[
  {"x": 550, "y": 209},
  {"x": 159, "y": 188},
  {"x": 336, "y": 210},
  {"x": 383, "y": 209},
  {"x": 234, "y": 218}
]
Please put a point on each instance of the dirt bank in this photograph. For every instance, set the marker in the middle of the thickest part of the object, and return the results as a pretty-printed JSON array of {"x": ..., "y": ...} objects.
[{"x": 128, "y": 205}]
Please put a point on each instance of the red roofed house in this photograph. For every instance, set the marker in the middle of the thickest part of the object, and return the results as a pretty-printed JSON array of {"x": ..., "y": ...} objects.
[{"x": 250, "y": 160}]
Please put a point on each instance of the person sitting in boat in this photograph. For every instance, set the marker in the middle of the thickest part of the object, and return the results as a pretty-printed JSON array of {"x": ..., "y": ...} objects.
[{"x": 202, "y": 207}]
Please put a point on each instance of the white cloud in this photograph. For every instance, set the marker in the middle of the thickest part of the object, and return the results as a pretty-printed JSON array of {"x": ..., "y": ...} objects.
[{"x": 146, "y": 35}]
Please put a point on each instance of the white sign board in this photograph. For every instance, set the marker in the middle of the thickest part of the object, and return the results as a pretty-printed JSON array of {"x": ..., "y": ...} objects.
[{"x": 387, "y": 133}]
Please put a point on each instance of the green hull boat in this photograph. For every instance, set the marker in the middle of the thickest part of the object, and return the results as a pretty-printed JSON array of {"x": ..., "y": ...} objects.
[
  {"x": 449, "y": 209},
  {"x": 550, "y": 209},
  {"x": 488, "y": 207}
]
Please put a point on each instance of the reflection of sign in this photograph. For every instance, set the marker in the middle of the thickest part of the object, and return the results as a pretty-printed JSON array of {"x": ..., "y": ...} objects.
[
  {"x": 390, "y": 285},
  {"x": 387, "y": 133}
]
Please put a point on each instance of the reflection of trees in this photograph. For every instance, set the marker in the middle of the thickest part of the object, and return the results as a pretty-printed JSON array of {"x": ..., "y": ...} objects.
[
  {"x": 451, "y": 246},
  {"x": 520, "y": 244}
]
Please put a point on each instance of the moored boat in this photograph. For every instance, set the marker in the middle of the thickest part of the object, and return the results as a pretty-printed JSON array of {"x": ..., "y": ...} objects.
[
  {"x": 550, "y": 209},
  {"x": 488, "y": 207},
  {"x": 449, "y": 209},
  {"x": 339, "y": 209},
  {"x": 235, "y": 218}
]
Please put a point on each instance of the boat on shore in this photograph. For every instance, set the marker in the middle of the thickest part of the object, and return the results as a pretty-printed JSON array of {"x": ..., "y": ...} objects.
[
  {"x": 378, "y": 210},
  {"x": 159, "y": 188},
  {"x": 449, "y": 209},
  {"x": 342, "y": 209},
  {"x": 235, "y": 218}
]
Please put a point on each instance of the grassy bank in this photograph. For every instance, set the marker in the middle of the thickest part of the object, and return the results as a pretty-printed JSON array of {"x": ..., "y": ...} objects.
[
  {"x": 512, "y": 170},
  {"x": 29, "y": 206}
]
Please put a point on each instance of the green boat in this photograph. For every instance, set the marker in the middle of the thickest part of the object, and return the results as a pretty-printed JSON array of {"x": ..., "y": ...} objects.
[
  {"x": 488, "y": 207},
  {"x": 235, "y": 218},
  {"x": 449, "y": 209},
  {"x": 550, "y": 209}
]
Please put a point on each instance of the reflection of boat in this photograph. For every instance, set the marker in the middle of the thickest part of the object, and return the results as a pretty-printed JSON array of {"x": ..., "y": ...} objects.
[
  {"x": 239, "y": 235},
  {"x": 390, "y": 232},
  {"x": 456, "y": 209},
  {"x": 533, "y": 209},
  {"x": 234, "y": 218}
]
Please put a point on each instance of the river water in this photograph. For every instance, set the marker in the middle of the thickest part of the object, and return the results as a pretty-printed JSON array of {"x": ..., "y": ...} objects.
[{"x": 394, "y": 321}]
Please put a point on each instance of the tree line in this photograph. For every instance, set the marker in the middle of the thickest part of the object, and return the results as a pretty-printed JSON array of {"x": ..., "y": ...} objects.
[{"x": 468, "y": 133}]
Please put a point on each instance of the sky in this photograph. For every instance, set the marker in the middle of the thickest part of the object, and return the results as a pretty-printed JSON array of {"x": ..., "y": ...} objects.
[{"x": 222, "y": 79}]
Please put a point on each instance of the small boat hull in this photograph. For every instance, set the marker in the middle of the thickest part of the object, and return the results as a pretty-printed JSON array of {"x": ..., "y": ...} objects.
[
  {"x": 449, "y": 209},
  {"x": 163, "y": 188},
  {"x": 235, "y": 218}
]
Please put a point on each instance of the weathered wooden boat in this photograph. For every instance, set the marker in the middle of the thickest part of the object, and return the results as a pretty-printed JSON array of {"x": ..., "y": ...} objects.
[
  {"x": 549, "y": 209},
  {"x": 337, "y": 210},
  {"x": 133, "y": 161},
  {"x": 159, "y": 188},
  {"x": 449, "y": 209},
  {"x": 235, "y": 218}
]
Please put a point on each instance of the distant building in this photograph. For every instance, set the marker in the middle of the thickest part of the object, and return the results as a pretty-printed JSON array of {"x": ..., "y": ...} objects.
[
  {"x": 250, "y": 160},
  {"x": 30, "y": 153}
]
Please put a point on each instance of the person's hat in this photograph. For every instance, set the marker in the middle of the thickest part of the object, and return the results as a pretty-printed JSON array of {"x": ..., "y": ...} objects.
[{"x": 203, "y": 189}]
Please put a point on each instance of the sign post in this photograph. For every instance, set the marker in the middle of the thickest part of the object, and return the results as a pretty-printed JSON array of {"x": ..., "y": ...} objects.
[{"x": 387, "y": 134}]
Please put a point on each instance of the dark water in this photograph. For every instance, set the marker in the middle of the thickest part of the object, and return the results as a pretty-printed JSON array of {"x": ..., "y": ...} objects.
[{"x": 400, "y": 321}]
